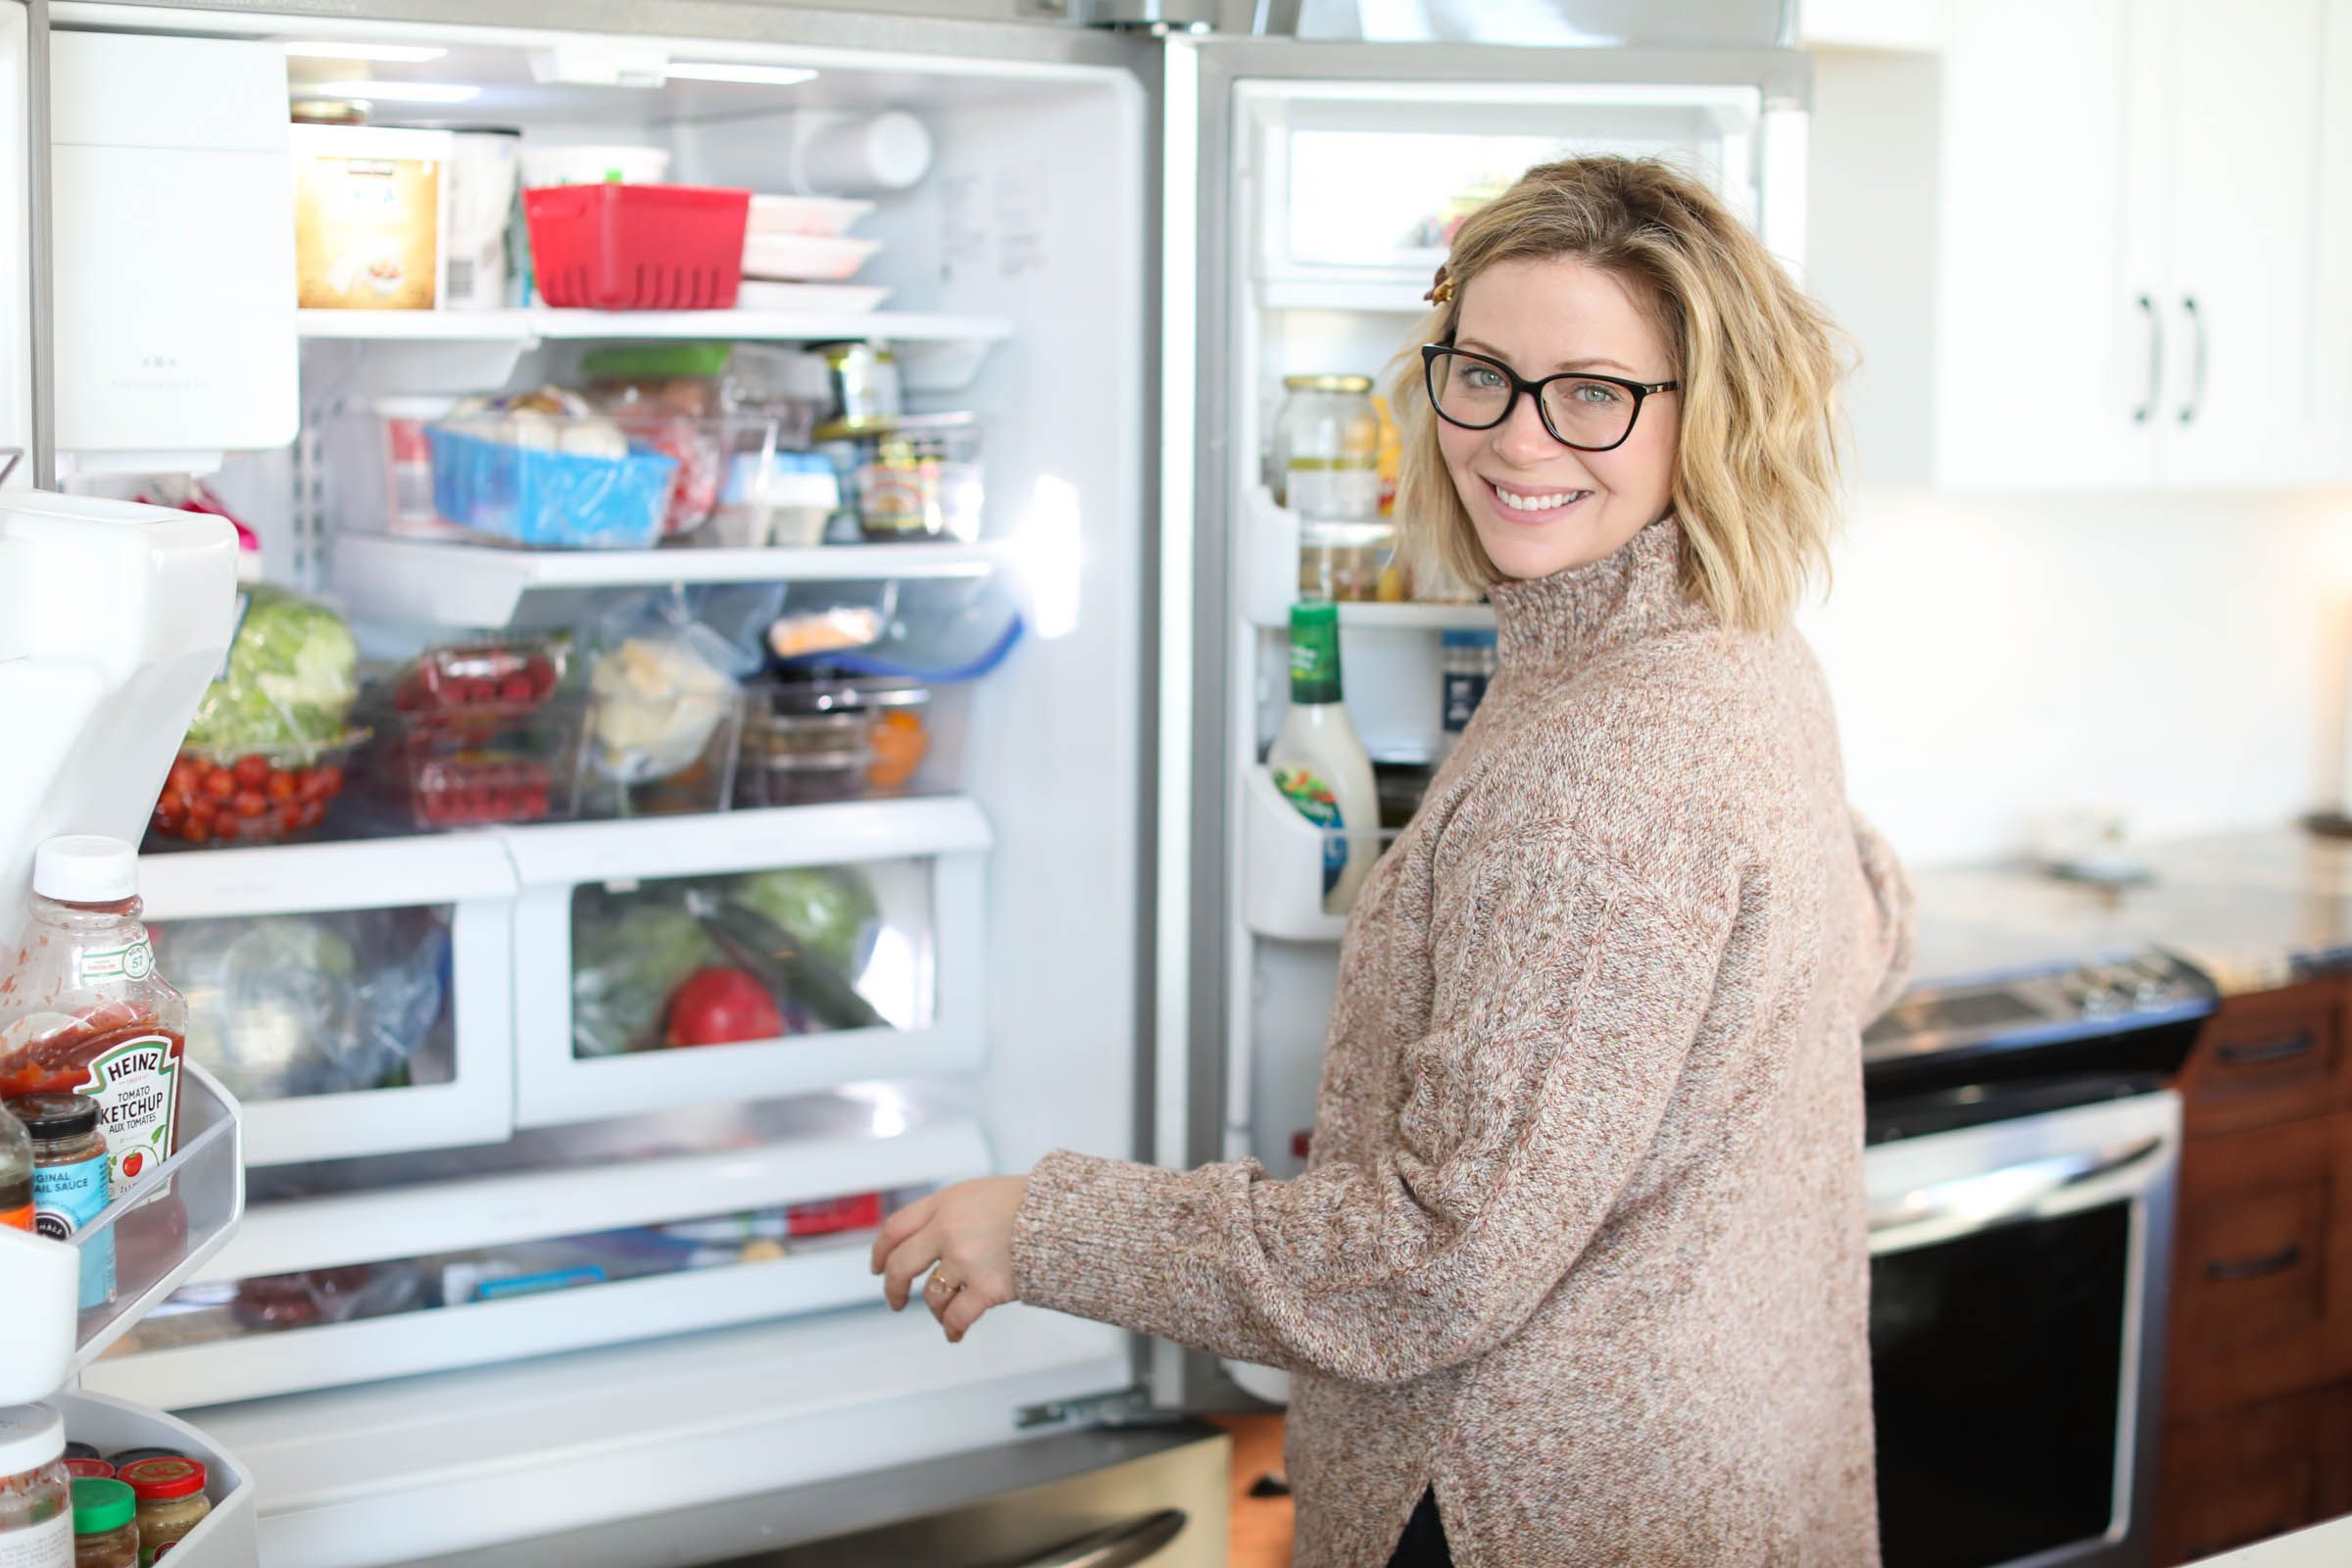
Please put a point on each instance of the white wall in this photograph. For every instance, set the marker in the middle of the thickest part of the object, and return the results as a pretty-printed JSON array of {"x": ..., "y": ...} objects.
[{"x": 1996, "y": 659}]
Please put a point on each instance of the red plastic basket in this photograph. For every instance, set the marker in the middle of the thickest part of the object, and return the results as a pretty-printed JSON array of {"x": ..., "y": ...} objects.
[{"x": 638, "y": 247}]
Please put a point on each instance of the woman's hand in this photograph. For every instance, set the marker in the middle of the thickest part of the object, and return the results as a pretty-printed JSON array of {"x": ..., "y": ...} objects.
[{"x": 964, "y": 1235}]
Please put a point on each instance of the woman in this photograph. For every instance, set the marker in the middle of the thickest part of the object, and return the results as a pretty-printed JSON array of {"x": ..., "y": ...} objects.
[{"x": 1577, "y": 1273}]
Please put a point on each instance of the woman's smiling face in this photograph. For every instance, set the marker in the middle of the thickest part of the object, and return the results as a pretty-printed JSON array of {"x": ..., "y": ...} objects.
[{"x": 1541, "y": 507}]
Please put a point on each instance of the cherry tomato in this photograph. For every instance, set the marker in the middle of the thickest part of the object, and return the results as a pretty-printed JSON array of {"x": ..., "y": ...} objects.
[
  {"x": 250, "y": 803},
  {"x": 251, "y": 772},
  {"x": 330, "y": 779},
  {"x": 195, "y": 832},
  {"x": 186, "y": 776},
  {"x": 280, "y": 786},
  {"x": 287, "y": 816},
  {"x": 305, "y": 783},
  {"x": 173, "y": 803},
  {"x": 202, "y": 810},
  {"x": 220, "y": 783},
  {"x": 518, "y": 689},
  {"x": 312, "y": 812}
]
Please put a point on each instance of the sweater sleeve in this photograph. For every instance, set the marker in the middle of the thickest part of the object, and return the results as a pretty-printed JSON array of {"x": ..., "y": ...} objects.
[
  {"x": 1891, "y": 924},
  {"x": 1567, "y": 993}
]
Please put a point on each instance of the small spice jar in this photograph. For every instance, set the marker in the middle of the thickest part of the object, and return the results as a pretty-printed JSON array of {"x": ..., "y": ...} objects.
[
  {"x": 69, "y": 1182},
  {"x": 106, "y": 1530},
  {"x": 172, "y": 1501},
  {"x": 81, "y": 1469},
  {"x": 37, "y": 1510}
]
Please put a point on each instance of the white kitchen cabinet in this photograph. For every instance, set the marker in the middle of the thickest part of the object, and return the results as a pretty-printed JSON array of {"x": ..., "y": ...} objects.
[{"x": 2079, "y": 247}]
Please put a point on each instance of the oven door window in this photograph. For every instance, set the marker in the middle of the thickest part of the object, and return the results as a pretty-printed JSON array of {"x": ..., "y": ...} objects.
[{"x": 1996, "y": 1362}]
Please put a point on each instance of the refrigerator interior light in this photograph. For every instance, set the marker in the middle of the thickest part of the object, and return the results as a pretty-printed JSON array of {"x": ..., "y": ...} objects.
[
  {"x": 399, "y": 92},
  {"x": 734, "y": 71},
  {"x": 1047, "y": 550},
  {"x": 409, "y": 54}
]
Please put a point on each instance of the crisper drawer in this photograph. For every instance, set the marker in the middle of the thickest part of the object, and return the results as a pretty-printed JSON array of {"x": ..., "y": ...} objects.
[
  {"x": 355, "y": 998},
  {"x": 745, "y": 956},
  {"x": 567, "y": 1239}
]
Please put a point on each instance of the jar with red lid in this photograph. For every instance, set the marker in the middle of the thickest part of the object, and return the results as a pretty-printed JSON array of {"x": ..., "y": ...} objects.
[{"x": 172, "y": 1501}]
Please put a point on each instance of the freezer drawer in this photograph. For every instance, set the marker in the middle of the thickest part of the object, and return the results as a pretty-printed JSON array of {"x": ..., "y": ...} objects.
[{"x": 1142, "y": 1497}]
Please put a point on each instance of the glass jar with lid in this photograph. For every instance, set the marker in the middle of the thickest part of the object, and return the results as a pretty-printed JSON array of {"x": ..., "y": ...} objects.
[
  {"x": 172, "y": 1501},
  {"x": 37, "y": 1507},
  {"x": 106, "y": 1531},
  {"x": 1326, "y": 451}
]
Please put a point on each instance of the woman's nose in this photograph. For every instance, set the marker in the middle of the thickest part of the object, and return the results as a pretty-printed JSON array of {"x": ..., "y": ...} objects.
[{"x": 1521, "y": 440}]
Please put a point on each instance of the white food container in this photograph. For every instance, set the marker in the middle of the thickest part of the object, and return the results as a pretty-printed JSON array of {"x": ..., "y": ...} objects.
[
  {"x": 822, "y": 215},
  {"x": 805, "y": 258}
]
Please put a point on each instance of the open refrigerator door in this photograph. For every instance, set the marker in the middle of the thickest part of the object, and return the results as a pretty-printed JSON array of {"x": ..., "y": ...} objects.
[
  {"x": 112, "y": 620},
  {"x": 1314, "y": 189}
]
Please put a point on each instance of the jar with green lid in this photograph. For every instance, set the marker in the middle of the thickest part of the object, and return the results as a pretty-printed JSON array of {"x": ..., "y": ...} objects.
[
  {"x": 1326, "y": 451},
  {"x": 106, "y": 1529}
]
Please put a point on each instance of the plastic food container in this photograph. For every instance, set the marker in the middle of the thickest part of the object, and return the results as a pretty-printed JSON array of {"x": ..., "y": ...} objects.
[
  {"x": 466, "y": 686},
  {"x": 785, "y": 504},
  {"x": 547, "y": 498},
  {"x": 637, "y": 247},
  {"x": 805, "y": 743},
  {"x": 264, "y": 796},
  {"x": 805, "y": 258},
  {"x": 525, "y": 769},
  {"x": 917, "y": 477},
  {"x": 806, "y": 215},
  {"x": 1345, "y": 562},
  {"x": 593, "y": 166}
]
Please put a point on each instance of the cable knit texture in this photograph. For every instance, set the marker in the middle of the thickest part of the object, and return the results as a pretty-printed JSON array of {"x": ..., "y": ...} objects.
[{"x": 1580, "y": 1240}]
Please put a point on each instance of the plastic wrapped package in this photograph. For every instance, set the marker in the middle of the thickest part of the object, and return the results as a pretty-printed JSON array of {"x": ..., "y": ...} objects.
[
  {"x": 285, "y": 1006},
  {"x": 540, "y": 469}
]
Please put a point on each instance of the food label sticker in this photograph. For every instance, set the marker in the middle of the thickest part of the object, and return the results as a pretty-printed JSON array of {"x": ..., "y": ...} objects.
[
  {"x": 47, "y": 1544},
  {"x": 65, "y": 1200},
  {"x": 1312, "y": 798},
  {"x": 138, "y": 1089},
  {"x": 133, "y": 962}
]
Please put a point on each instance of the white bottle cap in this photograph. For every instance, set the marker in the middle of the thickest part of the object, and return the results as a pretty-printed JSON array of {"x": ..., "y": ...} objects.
[
  {"x": 30, "y": 1436},
  {"x": 86, "y": 869}
]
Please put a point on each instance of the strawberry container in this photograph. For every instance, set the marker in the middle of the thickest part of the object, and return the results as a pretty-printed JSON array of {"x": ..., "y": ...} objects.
[{"x": 638, "y": 247}]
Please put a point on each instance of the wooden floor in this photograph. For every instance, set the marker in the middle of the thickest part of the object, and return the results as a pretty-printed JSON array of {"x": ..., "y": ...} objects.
[{"x": 1261, "y": 1526}]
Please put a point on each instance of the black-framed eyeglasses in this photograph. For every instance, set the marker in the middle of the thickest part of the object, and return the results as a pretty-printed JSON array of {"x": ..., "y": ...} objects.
[{"x": 1581, "y": 409}]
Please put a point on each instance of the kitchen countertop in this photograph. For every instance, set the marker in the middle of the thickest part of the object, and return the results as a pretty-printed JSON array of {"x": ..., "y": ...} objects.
[
  {"x": 2254, "y": 910},
  {"x": 2327, "y": 1545}
]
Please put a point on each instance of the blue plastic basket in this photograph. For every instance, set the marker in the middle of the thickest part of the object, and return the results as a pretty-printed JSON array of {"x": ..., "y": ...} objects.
[{"x": 549, "y": 500}]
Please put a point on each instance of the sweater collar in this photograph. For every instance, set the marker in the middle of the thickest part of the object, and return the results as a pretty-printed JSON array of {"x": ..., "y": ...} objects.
[{"x": 1567, "y": 617}]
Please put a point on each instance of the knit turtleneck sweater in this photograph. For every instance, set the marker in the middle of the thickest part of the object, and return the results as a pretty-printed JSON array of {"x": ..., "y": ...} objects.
[{"x": 1581, "y": 1241}]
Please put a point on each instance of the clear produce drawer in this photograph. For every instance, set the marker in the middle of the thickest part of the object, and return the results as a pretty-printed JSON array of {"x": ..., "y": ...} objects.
[
  {"x": 748, "y": 956},
  {"x": 355, "y": 998},
  {"x": 564, "y": 1239}
]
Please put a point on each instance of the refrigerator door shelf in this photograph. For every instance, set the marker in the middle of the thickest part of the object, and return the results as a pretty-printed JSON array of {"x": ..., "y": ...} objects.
[
  {"x": 1268, "y": 564},
  {"x": 575, "y": 1232},
  {"x": 160, "y": 1232},
  {"x": 1283, "y": 859},
  {"x": 228, "y": 1538}
]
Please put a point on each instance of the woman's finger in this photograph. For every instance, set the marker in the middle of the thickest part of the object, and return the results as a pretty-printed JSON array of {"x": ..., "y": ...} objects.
[
  {"x": 940, "y": 1292},
  {"x": 902, "y": 1224},
  {"x": 909, "y": 1259},
  {"x": 967, "y": 1309}
]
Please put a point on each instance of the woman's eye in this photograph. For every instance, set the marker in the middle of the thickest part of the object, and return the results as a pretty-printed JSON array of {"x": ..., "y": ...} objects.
[
  {"x": 1596, "y": 394},
  {"x": 1485, "y": 377}
]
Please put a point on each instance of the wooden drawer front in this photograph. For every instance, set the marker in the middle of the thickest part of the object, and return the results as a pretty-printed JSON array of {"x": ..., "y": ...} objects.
[
  {"x": 2268, "y": 1058},
  {"x": 2261, "y": 1265},
  {"x": 2260, "y": 1470}
]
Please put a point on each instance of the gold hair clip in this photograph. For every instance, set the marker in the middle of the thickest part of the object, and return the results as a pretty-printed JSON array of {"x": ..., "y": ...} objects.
[{"x": 1441, "y": 289}]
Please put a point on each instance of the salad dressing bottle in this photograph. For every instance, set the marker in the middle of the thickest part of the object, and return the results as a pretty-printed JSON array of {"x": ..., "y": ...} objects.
[{"x": 1319, "y": 764}]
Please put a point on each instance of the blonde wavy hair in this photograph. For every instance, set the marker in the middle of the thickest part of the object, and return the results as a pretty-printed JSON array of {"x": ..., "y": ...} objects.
[{"x": 1756, "y": 468}]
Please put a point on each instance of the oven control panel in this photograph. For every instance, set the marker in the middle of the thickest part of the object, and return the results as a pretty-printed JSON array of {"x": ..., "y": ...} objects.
[{"x": 2063, "y": 1002}]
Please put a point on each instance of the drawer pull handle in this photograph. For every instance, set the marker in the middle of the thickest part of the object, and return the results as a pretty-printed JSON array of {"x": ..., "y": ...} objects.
[
  {"x": 2255, "y": 1268},
  {"x": 2300, "y": 1044}
]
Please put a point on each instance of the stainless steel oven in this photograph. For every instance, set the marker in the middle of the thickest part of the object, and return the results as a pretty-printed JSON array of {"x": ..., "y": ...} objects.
[{"x": 2021, "y": 1179}]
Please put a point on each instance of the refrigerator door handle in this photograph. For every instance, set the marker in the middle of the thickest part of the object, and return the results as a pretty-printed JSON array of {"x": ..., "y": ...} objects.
[{"x": 1119, "y": 1547}]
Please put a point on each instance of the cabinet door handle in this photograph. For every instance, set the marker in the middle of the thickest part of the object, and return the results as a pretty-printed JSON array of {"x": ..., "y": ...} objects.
[
  {"x": 2148, "y": 405},
  {"x": 2255, "y": 1268},
  {"x": 2196, "y": 372},
  {"x": 2299, "y": 1043}
]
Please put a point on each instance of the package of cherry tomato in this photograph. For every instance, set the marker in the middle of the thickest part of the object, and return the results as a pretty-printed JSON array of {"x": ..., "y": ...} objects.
[
  {"x": 481, "y": 686},
  {"x": 84, "y": 1012},
  {"x": 264, "y": 796},
  {"x": 446, "y": 768}
]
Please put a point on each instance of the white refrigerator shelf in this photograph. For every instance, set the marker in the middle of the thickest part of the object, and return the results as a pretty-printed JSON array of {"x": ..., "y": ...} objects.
[
  {"x": 542, "y": 322},
  {"x": 442, "y": 583},
  {"x": 1267, "y": 561}
]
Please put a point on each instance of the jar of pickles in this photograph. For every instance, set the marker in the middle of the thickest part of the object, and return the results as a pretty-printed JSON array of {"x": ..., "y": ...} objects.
[{"x": 1326, "y": 454}]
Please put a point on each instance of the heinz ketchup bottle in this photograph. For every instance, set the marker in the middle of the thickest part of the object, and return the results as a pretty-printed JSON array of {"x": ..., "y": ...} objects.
[{"x": 82, "y": 1011}]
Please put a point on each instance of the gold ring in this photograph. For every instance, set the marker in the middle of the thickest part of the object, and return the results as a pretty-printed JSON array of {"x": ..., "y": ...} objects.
[{"x": 937, "y": 1279}]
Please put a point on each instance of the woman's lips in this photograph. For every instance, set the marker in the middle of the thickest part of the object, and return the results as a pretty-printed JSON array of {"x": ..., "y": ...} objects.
[{"x": 1525, "y": 516}]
